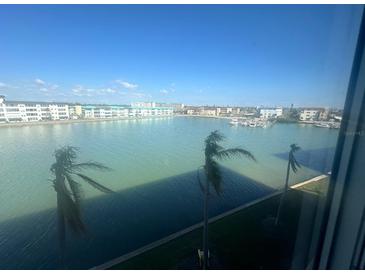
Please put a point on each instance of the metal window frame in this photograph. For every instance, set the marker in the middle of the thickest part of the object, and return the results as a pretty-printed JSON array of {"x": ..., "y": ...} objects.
[{"x": 342, "y": 241}]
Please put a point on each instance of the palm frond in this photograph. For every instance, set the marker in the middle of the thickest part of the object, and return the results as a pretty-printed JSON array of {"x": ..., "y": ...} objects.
[
  {"x": 75, "y": 189},
  {"x": 232, "y": 152},
  {"x": 69, "y": 152},
  {"x": 53, "y": 167},
  {"x": 65, "y": 158},
  {"x": 294, "y": 148},
  {"x": 94, "y": 184},
  {"x": 214, "y": 137},
  {"x": 91, "y": 165},
  {"x": 212, "y": 149}
]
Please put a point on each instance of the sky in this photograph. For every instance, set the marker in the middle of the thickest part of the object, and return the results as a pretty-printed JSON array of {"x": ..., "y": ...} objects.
[{"x": 241, "y": 55}]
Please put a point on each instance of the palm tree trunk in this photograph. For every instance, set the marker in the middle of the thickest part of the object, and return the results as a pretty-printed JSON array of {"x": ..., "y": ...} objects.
[
  {"x": 283, "y": 195},
  {"x": 205, "y": 229},
  {"x": 61, "y": 229}
]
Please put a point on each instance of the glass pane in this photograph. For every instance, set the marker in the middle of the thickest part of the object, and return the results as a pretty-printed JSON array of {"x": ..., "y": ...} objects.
[{"x": 123, "y": 128}]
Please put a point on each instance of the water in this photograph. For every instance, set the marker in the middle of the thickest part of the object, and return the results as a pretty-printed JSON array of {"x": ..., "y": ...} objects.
[{"x": 154, "y": 165}]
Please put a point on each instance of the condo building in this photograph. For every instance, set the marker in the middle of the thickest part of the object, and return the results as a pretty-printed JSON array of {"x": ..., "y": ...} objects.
[
  {"x": 21, "y": 111},
  {"x": 150, "y": 111},
  {"x": 309, "y": 115},
  {"x": 104, "y": 111},
  {"x": 271, "y": 112},
  {"x": 24, "y": 111}
]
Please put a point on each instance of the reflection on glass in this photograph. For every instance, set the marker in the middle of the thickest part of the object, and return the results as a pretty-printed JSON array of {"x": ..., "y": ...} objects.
[{"x": 271, "y": 79}]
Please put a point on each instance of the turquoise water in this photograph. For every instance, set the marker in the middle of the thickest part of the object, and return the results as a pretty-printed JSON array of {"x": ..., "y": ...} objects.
[{"x": 154, "y": 163}]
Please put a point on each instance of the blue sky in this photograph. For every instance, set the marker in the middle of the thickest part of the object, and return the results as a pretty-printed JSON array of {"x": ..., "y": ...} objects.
[{"x": 194, "y": 54}]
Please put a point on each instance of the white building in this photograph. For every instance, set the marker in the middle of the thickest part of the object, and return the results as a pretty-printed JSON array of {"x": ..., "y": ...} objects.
[
  {"x": 102, "y": 112},
  {"x": 143, "y": 105},
  {"x": 59, "y": 111},
  {"x": 177, "y": 107},
  {"x": 324, "y": 114},
  {"x": 226, "y": 111},
  {"x": 150, "y": 111},
  {"x": 75, "y": 111},
  {"x": 271, "y": 112},
  {"x": 208, "y": 112},
  {"x": 118, "y": 111},
  {"x": 308, "y": 115},
  {"x": 21, "y": 111}
]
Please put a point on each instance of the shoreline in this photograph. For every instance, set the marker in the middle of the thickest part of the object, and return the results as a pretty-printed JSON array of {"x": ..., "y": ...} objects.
[
  {"x": 206, "y": 116},
  {"x": 76, "y": 121}
]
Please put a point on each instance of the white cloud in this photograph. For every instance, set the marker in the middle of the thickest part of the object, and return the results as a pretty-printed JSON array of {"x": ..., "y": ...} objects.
[
  {"x": 2, "y": 85},
  {"x": 45, "y": 88},
  {"x": 39, "y": 82},
  {"x": 126, "y": 84},
  {"x": 109, "y": 90},
  {"x": 80, "y": 90},
  {"x": 140, "y": 95},
  {"x": 168, "y": 90}
]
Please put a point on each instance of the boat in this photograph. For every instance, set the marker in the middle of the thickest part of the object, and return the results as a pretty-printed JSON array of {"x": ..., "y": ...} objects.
[
  {"x": 323, "y": 125},
  {"x": 234, "y": 122},
  {"x": 252, "y": 124}
]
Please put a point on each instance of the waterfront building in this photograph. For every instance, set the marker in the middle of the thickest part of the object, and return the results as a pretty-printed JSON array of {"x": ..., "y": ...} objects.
[
  {"x": 119, "y": 111},
  {"x": 106, "y": 111},
  {"x": 271, "y": 112},
  {"x": 191, "y": 111},
  {"x": 27, "y": 111},
  {"x": 88, "y": 112},
  {"x": 208, "y": 112},
  {"x": 177, "y": 107},
  {"x": 143, "y": 104},
  {"x": 143, "y": 109},
  {"x": 236, "y": 111},
  {"x": 323, "y": 115},
  {"x": 224, "y": 111},
  {"x": 309, "y": 115},
  {"x": 150, "y": 111},
  {"x": 21, "y": 111},
  {"x": 75, "y": 111}
]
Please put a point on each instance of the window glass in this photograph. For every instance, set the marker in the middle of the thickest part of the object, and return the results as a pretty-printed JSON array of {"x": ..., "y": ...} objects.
[{"x": 145, "y": 121}]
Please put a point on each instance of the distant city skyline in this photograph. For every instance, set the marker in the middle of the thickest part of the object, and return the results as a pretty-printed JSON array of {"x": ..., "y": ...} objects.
[
  {"x": 191, "y": 54},
  {"x": 4, "y": 99}
]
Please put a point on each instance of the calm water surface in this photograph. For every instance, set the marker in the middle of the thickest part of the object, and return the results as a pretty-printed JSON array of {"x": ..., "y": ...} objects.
[{"x": 153, "y": 165}]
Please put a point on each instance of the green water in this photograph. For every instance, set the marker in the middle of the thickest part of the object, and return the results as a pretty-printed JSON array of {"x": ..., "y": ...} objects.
[{"x": 139, "y": 152}]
